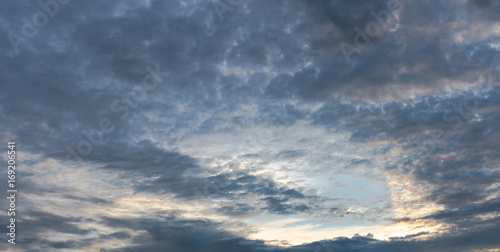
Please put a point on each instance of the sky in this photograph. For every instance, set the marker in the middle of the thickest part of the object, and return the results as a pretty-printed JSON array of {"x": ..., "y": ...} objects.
[{"x": 239, "y": 125}]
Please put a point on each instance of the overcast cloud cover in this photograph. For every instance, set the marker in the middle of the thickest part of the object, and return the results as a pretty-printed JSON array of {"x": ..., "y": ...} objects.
[{"x": 238, "y": 125}]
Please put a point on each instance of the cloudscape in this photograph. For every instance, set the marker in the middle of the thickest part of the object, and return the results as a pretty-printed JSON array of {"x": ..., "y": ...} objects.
[{"x": 250, "y": 125}]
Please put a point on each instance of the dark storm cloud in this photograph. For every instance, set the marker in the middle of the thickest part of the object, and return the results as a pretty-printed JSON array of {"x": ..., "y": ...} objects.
[
  {"x": 462, "y": 156},
  {"x": 380, "y": 64},
  {"x": 32, "y": 226},
  {"x": 65, "y": 79},
  {"x": 179, "y": 234},
  {"x": 237, "y": 210},
  {"x": 409, "y": 119},
  {"x": 120, "y": 58},
  {"x": 93, "y": 200},
  {"x": 487, "y": 8},
  {"x": 453, "y": 144},
  {"x": 176, "y": 234},
  {"x": 36, "y": 221},
  {"x": 479, "y": 237},
  {"x": 481, "y": 3},
  {"x": 467, "y": 214},
  {"x": 191, "y": 235},
  {"x": 235, "y": 186},
  {"x": 279, "y": 206},
  {"x": 145, "y": 160}
]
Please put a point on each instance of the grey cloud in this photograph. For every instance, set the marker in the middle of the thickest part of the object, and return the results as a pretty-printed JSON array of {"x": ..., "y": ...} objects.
[
  {"x": 237, "y": 210},
  {"x": 279, "y": 206},
  {"x": 93, "y": 200},
  {"x": 277, "y": 56}
]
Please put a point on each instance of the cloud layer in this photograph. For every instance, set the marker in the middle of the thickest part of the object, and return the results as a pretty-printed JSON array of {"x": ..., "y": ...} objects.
[{"x": 253, "y": 125}]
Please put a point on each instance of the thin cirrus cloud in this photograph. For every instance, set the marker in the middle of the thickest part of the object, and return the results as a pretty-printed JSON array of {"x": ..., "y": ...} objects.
[{"x": 260, "y": 134}]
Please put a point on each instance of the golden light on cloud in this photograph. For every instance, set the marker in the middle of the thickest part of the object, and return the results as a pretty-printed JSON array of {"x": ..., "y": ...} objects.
[{"x": 275, "y": 232}]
